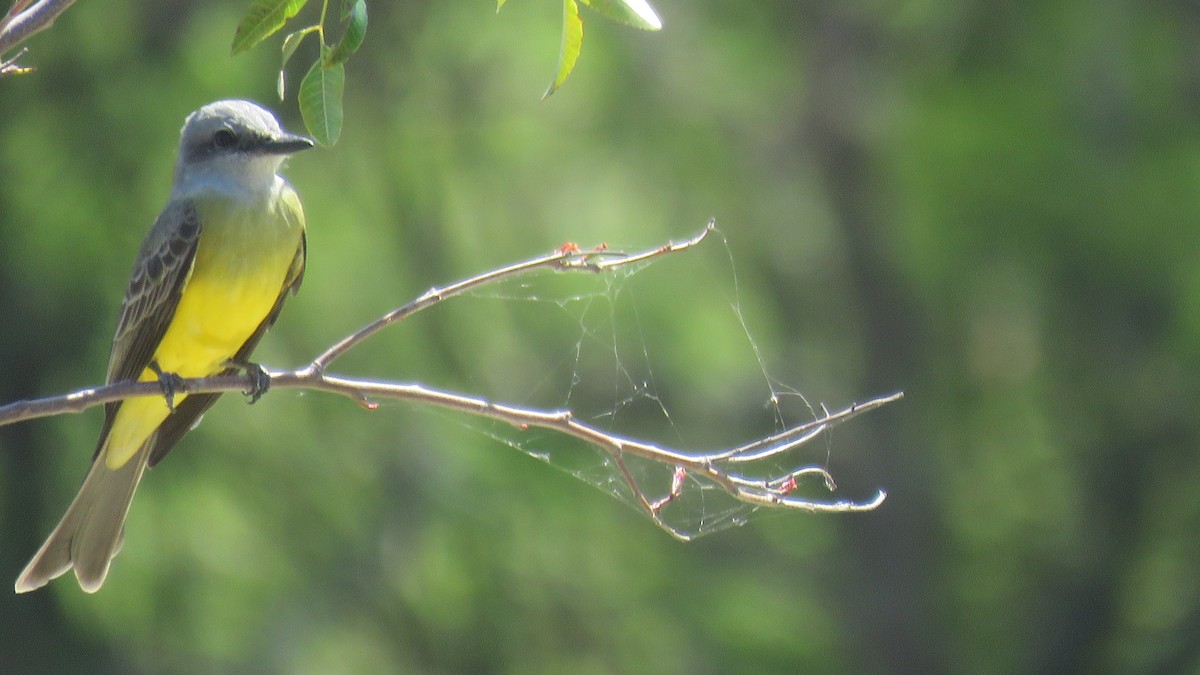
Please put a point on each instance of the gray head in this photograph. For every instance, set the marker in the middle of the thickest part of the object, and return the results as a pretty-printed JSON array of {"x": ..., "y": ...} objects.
[{"x": 233, "y": 143}]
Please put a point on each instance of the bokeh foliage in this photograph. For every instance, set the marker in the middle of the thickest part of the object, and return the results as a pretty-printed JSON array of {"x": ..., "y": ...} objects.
[{"x": 991, "y": 206}]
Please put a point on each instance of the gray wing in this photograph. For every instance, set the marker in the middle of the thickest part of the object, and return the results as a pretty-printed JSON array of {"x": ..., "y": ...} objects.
[{"x": 163, "y": 265}]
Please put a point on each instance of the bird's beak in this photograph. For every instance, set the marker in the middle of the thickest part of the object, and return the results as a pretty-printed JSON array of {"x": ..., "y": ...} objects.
[{"x": 286, "y": 144}]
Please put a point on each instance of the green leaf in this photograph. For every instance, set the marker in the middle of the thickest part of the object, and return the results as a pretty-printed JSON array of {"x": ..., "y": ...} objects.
[
  {"x": 499, "y": 4},
  {"x": 572, "y": 43},
  {"x": 290, "y": 43},
  {"x": 320, "y": 100},
  {"x": 347, "y": 5},
  {"x": 353, "y": 39},
  {"x": 262, "y": 19},
  {"x": 636, "y": 13}
]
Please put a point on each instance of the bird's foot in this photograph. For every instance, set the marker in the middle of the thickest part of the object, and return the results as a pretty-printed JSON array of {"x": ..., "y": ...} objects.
[
  {"x": 260, "y": 379},
  {"x": 169, "y": 383}
]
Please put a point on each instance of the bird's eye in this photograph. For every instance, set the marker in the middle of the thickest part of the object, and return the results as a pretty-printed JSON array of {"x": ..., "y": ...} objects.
[{"x": 224, "y": 138}]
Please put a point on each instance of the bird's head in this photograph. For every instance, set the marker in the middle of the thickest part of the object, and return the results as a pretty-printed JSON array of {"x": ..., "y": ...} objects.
[{"x": 233, "y": 143}]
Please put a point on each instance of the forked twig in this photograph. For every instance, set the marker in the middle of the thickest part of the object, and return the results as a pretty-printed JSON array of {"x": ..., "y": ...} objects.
[
  {"x": 725, "y": 468},
  {"x": 22, "y": 20}
]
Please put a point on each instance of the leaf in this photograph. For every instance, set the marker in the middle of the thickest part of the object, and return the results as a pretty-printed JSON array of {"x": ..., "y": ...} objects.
[
  {"x": 499, "y": 4},
  {"x": 290, "y": 43},
  {"x": 353, "y": 39},
  {"x": 320, "y": 100},
  {"x": 636, "y": 13},
  {"x": 572, "y": 43},
  {"x": 262, "y": 20}
]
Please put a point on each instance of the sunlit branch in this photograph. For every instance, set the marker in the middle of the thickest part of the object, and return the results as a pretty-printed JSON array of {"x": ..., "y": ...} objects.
[
  {"x": 727, "y": 469},
  {"x": 23, "y": 20},
  {"x": 567, "y": 257}
]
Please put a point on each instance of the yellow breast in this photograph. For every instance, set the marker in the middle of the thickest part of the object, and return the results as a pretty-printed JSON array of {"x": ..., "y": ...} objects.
[{"x": 245, "y": 251}]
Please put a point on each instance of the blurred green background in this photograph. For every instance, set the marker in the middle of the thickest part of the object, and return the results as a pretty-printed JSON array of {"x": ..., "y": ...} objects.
[{"x": 992, "y": 206}]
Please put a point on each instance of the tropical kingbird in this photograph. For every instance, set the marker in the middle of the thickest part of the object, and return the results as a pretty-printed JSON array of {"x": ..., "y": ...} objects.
[{"x": 209, "y": 280}]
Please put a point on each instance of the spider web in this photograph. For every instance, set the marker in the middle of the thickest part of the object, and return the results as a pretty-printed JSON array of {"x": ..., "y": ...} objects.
[{"x": 592, "y": 344}]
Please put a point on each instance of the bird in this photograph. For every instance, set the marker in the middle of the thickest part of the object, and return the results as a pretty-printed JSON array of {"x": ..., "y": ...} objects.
[{"x": 209, "y": 279}]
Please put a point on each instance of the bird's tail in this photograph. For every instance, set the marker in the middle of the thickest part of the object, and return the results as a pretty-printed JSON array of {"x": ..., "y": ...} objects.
[{"x": 90, "y": 533}]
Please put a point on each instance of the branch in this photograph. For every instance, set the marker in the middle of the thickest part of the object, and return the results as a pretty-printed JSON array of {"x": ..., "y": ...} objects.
[
  {"x": 726, "y": 469},
  {"x": 568, "y": 257},
  {"x": 22, "y": 21}
]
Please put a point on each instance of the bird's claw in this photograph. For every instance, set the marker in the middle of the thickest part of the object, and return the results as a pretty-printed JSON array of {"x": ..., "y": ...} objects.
[
  {"x": 169, "y": 383},
  {"x": 260, "y": 379}
]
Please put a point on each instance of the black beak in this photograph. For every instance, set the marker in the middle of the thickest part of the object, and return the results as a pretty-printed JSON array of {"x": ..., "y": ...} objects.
[{"x": 287, "y": 144}]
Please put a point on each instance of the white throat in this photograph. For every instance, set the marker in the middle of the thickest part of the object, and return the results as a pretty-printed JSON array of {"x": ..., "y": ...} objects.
[{"x": 251, "y": 175}]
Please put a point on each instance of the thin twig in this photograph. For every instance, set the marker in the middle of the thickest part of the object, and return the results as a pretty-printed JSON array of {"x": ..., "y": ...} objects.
[
  {"x": 22, "y": 20},
  {"x": 567, "y": 257},
  {"x": 714, "y": 466},
  {"x": 10, "y": 66},
  {"x": 17, "y": 7}
]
